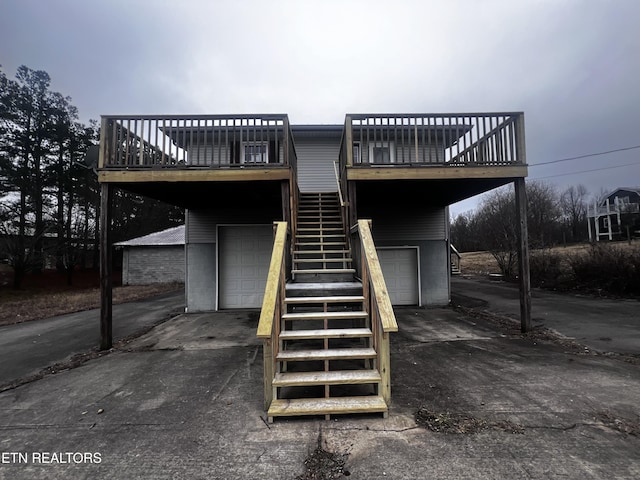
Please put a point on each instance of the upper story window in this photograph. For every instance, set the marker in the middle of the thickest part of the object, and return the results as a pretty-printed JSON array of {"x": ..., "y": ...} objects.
[
  {"x": 255, "y": 153},
  {"x": 382, "y": 152}
]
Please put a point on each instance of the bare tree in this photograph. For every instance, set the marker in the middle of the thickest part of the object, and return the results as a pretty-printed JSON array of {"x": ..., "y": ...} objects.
[{"x": 573, "y": 202}]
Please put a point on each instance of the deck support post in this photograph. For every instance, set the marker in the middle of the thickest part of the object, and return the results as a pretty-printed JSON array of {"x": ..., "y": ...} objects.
[
  {"x": 106, "y": 268},
  {"x": 523, "y": 255},
  {"x": 353, "y": 205}
]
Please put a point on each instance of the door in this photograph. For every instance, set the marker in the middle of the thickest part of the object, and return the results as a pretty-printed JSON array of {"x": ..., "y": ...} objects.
[
  {"x": 400, "y": 270},
  {"x": 244, "y": 253}
]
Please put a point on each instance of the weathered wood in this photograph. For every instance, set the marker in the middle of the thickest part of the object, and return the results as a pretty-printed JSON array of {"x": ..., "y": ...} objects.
[
  {"x": 321, "y": 406},
  {"x": 335, "y": 377},
  {"x": 333, "y": 354},
  {"x": 194, "y": 175},
  {"x": 381, "y": 294},
  {"x": 325, "y": 333},
  {"x": 431, "y": 172},
  {"x": 267, "y": 359},
  {"x": 384, "y": 367},
  {"x": 106, "y": 269},
  {"x": 348, "y": 132},
  {"x": 347, "y": 315},
  {"x": 272, "y": 289},
  {"x": 333, "y": 299},
  {"x": 523, "y": 255}
]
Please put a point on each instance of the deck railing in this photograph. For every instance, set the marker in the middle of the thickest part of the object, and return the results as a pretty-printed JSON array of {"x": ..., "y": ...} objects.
[
  {"x": 196, "y": 141},
  {"x": 273, "y": 307},
  {"x": 455, "y": 140},
  {"x": 376, "y": 299}
]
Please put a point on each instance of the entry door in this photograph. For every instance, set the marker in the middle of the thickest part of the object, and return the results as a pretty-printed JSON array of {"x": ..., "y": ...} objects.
[
  {"x": 244, "y": 253},
  {"x": 400, "y": 270}
]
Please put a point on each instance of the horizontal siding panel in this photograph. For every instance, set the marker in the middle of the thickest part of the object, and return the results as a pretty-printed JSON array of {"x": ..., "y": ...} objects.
[
  {"x": 316, "y": 157},
  {"x": 408, "y": 224},
  {"x": 201, "y": 225}
]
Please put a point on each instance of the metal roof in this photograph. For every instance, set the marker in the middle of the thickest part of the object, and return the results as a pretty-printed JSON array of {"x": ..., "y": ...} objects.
[{"x": 170, "y": 236}]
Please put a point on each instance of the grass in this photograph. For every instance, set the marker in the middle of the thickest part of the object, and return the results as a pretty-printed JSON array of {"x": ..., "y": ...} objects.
[
  {"x": 609, "y": 268},
  {"x": 47, "y": 295}
]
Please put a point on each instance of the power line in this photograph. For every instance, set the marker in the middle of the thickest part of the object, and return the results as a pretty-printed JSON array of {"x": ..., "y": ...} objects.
[
  {"x": 585, "y": 156},
  {"x": 586, "y": 171}
]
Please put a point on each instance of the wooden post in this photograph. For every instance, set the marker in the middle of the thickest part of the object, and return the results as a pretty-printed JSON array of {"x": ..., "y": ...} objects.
[
  {"x": 523, "y": 255},
  {"x": 106, "y": 268},
  {"x": 348, "y": 125},
  {"x": 353, "y": 205}
]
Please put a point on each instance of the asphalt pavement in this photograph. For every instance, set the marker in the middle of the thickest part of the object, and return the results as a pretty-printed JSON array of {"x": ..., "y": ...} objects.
[
  {"x": 26, "y": 348},
  {"x": 604, "y": 324}
]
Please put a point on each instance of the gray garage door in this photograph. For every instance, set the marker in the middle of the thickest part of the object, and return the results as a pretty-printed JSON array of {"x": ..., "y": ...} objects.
[
  {"x": 244, "y": 253},
  {"x": 400, "y": 270}
]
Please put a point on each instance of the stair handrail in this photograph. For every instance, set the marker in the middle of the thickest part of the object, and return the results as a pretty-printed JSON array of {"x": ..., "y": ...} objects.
[
  {"x": 458, "y": 257},
  {"x": 376, "y": 301},
  {"x": 272, "y": 308},
  {"x": 373, "y": 271}
]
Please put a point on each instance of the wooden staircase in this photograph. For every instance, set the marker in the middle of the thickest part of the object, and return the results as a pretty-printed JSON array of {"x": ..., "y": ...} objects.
[{"x": 325, "y": 360}]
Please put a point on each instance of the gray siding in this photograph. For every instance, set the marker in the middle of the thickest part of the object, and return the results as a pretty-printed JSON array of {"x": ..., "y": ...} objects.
[
  {"x": 201, "y": 278},
  {"x": 201, "y": 225},
  {"x": 404, "y": 152},
  {"x": 154, "y": 264},
  {"x": 315, "y": 163},
  {"x": 409, "y": 223}
]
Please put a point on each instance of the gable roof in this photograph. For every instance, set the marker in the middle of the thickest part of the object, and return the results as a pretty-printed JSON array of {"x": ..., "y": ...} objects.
[
  {"x": 170, "y": 236},
  {"x": 613, "y": 192}
]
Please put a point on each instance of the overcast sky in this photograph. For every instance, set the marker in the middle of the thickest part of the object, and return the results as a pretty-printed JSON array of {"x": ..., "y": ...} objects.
[{"x": 572, "y": 66}]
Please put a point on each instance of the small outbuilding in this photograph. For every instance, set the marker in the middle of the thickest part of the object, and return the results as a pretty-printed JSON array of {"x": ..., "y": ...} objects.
[{"x": 154, "y": 258}]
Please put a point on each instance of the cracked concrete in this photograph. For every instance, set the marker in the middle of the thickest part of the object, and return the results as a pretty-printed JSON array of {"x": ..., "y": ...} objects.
[{"x": 185, "y": 401}]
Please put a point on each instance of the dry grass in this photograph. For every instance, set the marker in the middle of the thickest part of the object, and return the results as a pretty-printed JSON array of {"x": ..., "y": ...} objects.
[
  {"x": 24, "y": 306},
  {"x": 483, "y": 263}
]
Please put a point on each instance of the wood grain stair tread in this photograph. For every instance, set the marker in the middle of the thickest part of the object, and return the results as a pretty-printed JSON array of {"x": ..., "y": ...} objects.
[
  {"x": 322, "y": 260},
  {"x": 315, "y": 244},
  {"x": 322, "y": 315},
  {"x": 330, "y": 354},
  {"x": 320, "y": 252},
  {"x": 325, "y": 333},
  {"x": 324, "y": 270},
  {"x": 327, "y": 299},
  {"x": 336, "y": 377},
  {"x": 326, "y": 406}
]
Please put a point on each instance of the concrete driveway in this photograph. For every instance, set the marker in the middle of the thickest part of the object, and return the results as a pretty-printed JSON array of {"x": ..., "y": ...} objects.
[
  {"x": 607, "y": 325},
  {"x": 26, "y": 348},
  {"x": 185, "y": 401}
]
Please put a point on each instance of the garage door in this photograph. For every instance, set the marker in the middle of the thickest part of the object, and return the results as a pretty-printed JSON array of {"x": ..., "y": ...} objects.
[
  {"x": 243, "y": 255},
  {"x": 400, "y": 270}
]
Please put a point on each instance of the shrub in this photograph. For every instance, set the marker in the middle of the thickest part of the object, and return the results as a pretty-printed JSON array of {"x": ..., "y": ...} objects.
[
  {"x": 606, "y": 268},
  {"x": 547, "y": 270}
]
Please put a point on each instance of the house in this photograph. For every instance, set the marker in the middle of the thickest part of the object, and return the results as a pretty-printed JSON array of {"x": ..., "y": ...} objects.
[
  {"x": 154, "y": 258},
  {"x": 616, "y": 215},
  {"x": 322, "y": 227}
]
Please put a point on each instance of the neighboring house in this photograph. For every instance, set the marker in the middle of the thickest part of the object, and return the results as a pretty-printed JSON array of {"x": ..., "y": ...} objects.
[
  {"x": 323, "y": 226},
  {"x": 616, "y": 215},
  {"x": 154, "y": 258}
]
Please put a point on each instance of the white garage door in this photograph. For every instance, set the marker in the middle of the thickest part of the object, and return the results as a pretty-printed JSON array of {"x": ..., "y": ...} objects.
[
  {"x": 244, "y": 254},
  {"x": 400, "y": 270}
]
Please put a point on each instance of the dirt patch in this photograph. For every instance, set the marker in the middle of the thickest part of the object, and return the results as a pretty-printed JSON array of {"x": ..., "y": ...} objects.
[
  {"x": 616, "y": 422},
  {"x": 324, "y": 465},
  {"x": 26, "y": 305},
  {"x": 456, "y": 423}
]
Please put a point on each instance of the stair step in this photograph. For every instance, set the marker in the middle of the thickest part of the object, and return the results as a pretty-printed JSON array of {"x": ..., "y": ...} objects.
[
  {"x": 327, "y": 271},
  {"x": 322, "y": 333},
  {"x": 320, "y": 252},
  {"x": 310, "y": 244},
  {"x": 323, "y": 229},
  {"x": 323, "y": 315},
  {"x": 330, "y": 354},
  {"x": 331, "y": 299},
  {"x": 336, "y": 377},
  {"x": 329, "y": 235},
  {"x": 322, "y": 260},
  {"x": 327, "y": 406}
]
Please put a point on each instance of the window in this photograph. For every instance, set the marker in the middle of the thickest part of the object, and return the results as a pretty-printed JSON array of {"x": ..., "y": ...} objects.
[
  {"x": 255, "y": 153},
  {"x": 382, "y": 152},
  {"x": 356, "y": 152}
]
